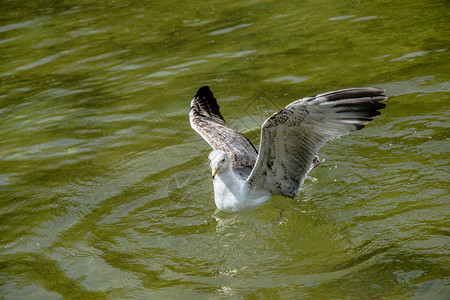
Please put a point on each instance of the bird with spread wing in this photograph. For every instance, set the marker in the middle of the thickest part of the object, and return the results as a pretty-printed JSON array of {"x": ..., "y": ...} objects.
[{"x": 290, "y": 141}]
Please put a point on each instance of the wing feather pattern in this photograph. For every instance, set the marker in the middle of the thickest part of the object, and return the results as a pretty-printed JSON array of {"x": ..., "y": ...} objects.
[
  {"x": 291, "y": 137},
  {"x": 206, "y": 120}
]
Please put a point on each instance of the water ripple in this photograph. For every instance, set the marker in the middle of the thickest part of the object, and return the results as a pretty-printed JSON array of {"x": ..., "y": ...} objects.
[{"x": 229, "y": 29}]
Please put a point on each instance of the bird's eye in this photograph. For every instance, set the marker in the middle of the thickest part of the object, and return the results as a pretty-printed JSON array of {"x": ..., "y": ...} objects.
[{"x": 223, "y": 160}]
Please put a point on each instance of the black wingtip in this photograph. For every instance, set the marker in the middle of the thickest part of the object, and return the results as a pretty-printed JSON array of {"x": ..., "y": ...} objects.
[
  {"x": 206, "y": 103},
  {"x": 204, "y": 92}
]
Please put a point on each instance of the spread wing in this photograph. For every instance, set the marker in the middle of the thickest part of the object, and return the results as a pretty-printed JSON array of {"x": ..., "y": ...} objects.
[
  {"x": 291, "y": 137},
  {"x": 207, "y": 121}
]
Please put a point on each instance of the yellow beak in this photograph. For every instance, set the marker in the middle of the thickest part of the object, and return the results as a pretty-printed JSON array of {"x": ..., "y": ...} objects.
[{"x": 214, "y": 172}]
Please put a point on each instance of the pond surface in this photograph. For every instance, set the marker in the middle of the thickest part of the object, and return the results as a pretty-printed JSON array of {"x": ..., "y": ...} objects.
[{"x": 105, "y": 190}]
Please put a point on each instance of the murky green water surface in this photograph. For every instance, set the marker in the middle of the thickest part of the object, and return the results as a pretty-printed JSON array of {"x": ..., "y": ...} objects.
[{"x": 105, "y": 190}]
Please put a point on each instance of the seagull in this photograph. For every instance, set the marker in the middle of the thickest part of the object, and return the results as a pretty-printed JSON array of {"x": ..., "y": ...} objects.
[{"x": 290, "y": 141}]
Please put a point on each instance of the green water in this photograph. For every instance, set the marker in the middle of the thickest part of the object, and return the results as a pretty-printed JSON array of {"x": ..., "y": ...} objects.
[{"x": 105, "y": 190}]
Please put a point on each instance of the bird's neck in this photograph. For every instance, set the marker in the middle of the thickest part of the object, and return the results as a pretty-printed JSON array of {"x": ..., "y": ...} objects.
[{"x": 229, "y": 179}]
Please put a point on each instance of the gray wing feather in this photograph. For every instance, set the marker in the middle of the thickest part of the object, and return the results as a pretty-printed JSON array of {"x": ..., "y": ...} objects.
[
  {"x": 291, "y": 138},
  {"x": 206, "y": 120}
]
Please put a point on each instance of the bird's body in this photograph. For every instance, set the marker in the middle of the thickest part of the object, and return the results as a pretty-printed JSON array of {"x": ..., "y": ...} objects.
[
  {"x": 231, "y": 193},
  {"x": 290, "y": 140}
]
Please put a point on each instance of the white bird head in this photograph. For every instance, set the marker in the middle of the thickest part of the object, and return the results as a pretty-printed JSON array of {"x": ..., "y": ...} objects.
[{"x": 219, "y": 161}]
